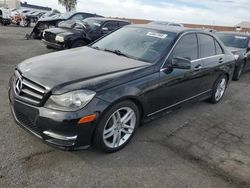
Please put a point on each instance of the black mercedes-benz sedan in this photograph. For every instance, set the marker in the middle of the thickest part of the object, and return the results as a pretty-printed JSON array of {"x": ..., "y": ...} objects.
[
  {"x": 99, "y": 94},
  {"x": 239, "y": 45},
  {"x": 72, "y": 33}
]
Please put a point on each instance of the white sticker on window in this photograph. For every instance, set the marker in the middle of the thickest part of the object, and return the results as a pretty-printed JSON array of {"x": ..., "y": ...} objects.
[
  {"x": 157, "y": 35},
  {"x": 240, "y": 37}
]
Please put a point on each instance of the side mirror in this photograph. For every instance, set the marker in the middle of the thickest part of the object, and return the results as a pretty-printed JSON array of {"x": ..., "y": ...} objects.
[{"x": 180, "y": 63}]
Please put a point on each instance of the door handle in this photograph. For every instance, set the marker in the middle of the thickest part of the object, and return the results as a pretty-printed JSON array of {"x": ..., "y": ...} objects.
[
  {"x": 221, "y": 60},
  {"x": 198, "y": 67}
]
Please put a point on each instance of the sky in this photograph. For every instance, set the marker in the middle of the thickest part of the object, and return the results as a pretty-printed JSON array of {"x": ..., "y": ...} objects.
[{"x": 212, "y": 12}]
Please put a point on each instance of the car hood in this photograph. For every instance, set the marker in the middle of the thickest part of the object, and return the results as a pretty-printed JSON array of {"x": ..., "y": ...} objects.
[
  {"x": 63, "y": 31},
  {"x": 47, "y": 19},
  {"x": 236, "y": 50},
  {"x": 80, "y": 65}
]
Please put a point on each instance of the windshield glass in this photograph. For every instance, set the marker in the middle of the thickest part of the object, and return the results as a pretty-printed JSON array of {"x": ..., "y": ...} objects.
[
  {"x": 66, "y": 15},
  {"x": 72, "y": 24},
  {"x": 139, "y": 43},
  {"x": 236, "y": 41},
  {"x": 93, "y": 24}
]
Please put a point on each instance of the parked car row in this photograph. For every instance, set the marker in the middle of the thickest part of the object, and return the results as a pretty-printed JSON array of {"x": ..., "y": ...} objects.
[
  {"x": 23, "y": 17},
  {"x": 48, "y": 22}
]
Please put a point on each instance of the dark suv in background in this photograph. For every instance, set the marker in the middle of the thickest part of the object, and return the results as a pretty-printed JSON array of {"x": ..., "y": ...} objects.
[
  {"x": 71, "y": 33},
  {"x": 99, "y": 94},
  {"x": 239, "y": 45}
]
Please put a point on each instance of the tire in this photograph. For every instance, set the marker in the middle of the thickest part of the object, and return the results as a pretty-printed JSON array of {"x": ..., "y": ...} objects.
[
  {"x": 49, "y": 47},
  {"x": 219, "y": 89},
  {"x": 78, "y": 43},
  {"x": 238, "y": 71},
  {"x": 110, "y": 127}
]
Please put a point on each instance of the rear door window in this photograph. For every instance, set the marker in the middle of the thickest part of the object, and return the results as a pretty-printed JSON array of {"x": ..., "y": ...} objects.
[
  {"x": 218, "y": 48},
  {"x": 207, "y": 46}
]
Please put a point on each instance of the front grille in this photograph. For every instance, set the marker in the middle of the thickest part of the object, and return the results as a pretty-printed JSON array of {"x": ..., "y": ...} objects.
[
  {"x": 27, "y": 90},
  {"x": 48, "y": 36},
  {"x": 26, "y": 121}
]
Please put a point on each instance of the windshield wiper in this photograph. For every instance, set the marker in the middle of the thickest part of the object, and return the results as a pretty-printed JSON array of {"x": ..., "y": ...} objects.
[
  {"x": 95, "y": 47},
  {"x": 118, "y": 52}
]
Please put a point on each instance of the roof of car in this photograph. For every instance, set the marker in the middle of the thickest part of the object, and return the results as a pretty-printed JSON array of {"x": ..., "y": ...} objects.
[
  {"x": 235, "y": 33},
  {"x": 108, "y": 19},
  {"x": 173, "y": 29}
]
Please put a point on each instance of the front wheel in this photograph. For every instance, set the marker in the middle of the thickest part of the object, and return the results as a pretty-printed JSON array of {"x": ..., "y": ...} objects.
[
  {"x": 219, "y": 89},
  {"x": 117, "y": 126}
]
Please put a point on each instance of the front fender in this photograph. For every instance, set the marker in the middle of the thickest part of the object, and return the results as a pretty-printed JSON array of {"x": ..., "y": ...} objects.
[{"x": 140, "y": 90}]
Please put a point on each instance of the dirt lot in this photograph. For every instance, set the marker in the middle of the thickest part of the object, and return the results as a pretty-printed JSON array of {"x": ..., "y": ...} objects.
[{"x": 200, "y": 145}]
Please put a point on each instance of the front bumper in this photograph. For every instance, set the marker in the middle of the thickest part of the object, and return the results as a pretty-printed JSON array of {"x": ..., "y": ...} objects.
[
  {"x": 5, "y": 21},
  {"x": 57, "y": 128},
  {"x": 54, "y": 45}
]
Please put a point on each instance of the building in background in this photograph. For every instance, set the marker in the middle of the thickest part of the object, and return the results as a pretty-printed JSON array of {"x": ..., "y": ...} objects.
[
  {"x": 11, "y": 4},
  {"x": 27, "y": 6},
  {"x": 16, "y": 4},
  {"x": 242, "y": 25}
]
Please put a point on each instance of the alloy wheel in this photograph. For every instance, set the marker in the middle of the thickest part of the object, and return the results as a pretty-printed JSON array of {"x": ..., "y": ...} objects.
[
  {"x": 220, "y": 89},
  {"x": 119, "y": 127}
]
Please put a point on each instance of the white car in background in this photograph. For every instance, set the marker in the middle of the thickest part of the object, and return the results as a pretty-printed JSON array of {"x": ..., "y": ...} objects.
[{"x": 5, "y": 16}]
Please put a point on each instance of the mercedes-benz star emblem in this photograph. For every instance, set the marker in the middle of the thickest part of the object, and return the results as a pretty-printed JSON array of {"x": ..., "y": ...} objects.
[{"x": 18, "y": 85}]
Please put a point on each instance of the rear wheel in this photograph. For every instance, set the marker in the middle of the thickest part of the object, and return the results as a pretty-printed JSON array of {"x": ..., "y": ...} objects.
[
  {"x": 78, "y": 43},
  {"x": 117, "y": 127},
  {"x": 238, "y": 71},
  {"x": 219, "y": 89}
]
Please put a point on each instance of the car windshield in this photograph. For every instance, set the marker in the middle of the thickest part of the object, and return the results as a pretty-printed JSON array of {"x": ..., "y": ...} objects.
[
  {"x": 72, "y": 24},
  {"x": 66, "y": 15},
  {"x": 93, "y": 24},
  {"x": 138, "y": 43},
  {"x": 231, "y": 40}
]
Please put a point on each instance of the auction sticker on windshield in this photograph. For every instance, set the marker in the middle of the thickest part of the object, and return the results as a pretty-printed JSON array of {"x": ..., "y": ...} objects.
[
  {"x": 157, "y": 35},
  {"x": 240, "y": 37}
]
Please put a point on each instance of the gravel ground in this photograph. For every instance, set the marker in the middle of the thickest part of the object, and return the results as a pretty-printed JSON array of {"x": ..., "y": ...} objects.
[{"x": 200, "y": 145}]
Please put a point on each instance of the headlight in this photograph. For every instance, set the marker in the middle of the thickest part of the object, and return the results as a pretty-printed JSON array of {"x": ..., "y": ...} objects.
[
  {"x": 236, "y": 56},
  {"x": 71, "y": 101},
  {"x": 59, "y": 38}
]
